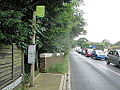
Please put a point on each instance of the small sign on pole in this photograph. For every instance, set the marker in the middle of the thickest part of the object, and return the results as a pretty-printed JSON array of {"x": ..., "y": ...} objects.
[
  {"x": 40, "y": 11},
  {"x": 31, "y": 54}
]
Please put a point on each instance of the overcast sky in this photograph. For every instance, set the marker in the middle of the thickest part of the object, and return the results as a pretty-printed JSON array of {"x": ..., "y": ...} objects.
[{"x": 103, "y": 19}]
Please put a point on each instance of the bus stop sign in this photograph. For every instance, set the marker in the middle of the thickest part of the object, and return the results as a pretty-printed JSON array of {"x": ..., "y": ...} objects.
[{"x": 40, "y": 11}]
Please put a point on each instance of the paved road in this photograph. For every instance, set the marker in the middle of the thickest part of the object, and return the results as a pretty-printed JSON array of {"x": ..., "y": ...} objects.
[{"x": 90, "y": 74}]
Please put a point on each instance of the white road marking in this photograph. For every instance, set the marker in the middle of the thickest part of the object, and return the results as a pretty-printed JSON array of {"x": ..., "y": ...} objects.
[
  {"x": 103, "y": 67},
  {"x": 109, "y": 69}
]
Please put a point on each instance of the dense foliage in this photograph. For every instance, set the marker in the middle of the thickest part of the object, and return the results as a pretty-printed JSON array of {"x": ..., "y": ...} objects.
[
  {"x": 54, "y": 33},
  {"x": 13, "y": 29}
]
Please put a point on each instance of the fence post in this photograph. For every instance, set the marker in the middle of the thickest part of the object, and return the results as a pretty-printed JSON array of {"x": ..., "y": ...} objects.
[
  {"x": 22, "y": 58},
  {"x": 12, "y": 61}
]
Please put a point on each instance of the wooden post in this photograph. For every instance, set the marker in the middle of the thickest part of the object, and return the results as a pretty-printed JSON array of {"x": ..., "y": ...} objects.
[
  {"x": 37, "y": 61},
  {"x": 32, "y": 75},
  {"x": 23, "y": 66},
  {"x": 33, "y": 42},
  {"x": 12, "y": 61}
]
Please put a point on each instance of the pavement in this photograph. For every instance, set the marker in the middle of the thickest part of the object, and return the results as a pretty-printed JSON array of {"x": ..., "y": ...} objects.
[{"x": 48, "y": 81}]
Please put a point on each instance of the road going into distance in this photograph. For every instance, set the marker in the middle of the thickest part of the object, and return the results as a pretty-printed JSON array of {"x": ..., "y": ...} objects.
[{"x": 90, "y": 74}]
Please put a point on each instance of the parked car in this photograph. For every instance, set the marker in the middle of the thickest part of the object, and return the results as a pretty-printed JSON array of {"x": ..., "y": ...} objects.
[
  {"x": 88, "y": 52},
  {"x": 80, "y": 50},
  {"x": 114, "y": 57},
  {"x": 77, "y": 49},
  {"x": 98, "y": 54},
  {"x": 83, "y": 51}
]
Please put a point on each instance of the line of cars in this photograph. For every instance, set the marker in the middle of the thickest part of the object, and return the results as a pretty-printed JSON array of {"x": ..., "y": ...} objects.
[
  {"x": 112, "y": 56},
  {"x": 95, "y": 54}
]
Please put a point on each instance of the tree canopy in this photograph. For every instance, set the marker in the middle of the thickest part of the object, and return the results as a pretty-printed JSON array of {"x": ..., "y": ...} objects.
[
  {"x": 106, "y": 42},
  {"x": 54, "y": 33},
  {"x": 80, "y": 41}
]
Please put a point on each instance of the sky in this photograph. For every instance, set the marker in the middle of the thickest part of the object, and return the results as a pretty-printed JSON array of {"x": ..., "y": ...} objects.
[{"x": 103, "y": 19}]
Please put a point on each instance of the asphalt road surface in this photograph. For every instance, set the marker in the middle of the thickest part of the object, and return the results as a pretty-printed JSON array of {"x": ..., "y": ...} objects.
[{"x": 90, "y": 74}]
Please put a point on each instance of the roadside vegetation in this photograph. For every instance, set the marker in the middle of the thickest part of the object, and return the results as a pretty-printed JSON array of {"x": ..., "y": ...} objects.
[{"x": 60, "y": 67}]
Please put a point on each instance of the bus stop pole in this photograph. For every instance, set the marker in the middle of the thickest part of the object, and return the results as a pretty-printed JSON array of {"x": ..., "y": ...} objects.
[{"x": 33, "y": 42}]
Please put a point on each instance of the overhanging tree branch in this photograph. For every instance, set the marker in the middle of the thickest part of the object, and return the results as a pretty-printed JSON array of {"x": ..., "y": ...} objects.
[{"x": 31, "y": 4}]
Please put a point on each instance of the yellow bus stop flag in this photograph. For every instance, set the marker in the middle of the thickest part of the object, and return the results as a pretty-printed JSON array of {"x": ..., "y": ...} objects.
[{"x": 40, "y": 11}]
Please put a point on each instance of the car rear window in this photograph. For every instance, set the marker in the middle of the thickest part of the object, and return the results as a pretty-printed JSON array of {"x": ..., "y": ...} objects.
[
  {"x": 90, "y": 50},
  {"x": 100, "y": 52},
  {"x": 119, "y": 52}
]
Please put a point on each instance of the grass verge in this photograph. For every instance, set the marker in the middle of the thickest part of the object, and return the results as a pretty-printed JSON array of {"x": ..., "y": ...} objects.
[{"x": 60, "y": 67}]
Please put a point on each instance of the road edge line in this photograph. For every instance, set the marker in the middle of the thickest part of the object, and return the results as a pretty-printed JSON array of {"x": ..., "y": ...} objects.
[{"x": 109, "y": 69}]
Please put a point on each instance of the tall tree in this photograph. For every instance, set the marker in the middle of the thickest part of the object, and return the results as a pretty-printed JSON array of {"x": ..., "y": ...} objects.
[
  {"x": 80, "y": 41},
  {"x": 117, "y": 43},
  {"x": 106, "y": 42}
]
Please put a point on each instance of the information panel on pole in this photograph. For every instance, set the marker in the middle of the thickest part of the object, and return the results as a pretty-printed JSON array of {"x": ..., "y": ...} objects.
[
  {"x": 31, "y": 54},
  {"x": 40, "y": 11}
]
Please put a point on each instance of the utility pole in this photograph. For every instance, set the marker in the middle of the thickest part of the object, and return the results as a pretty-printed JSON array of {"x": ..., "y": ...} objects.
[{"x": 33, "y": 42}]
